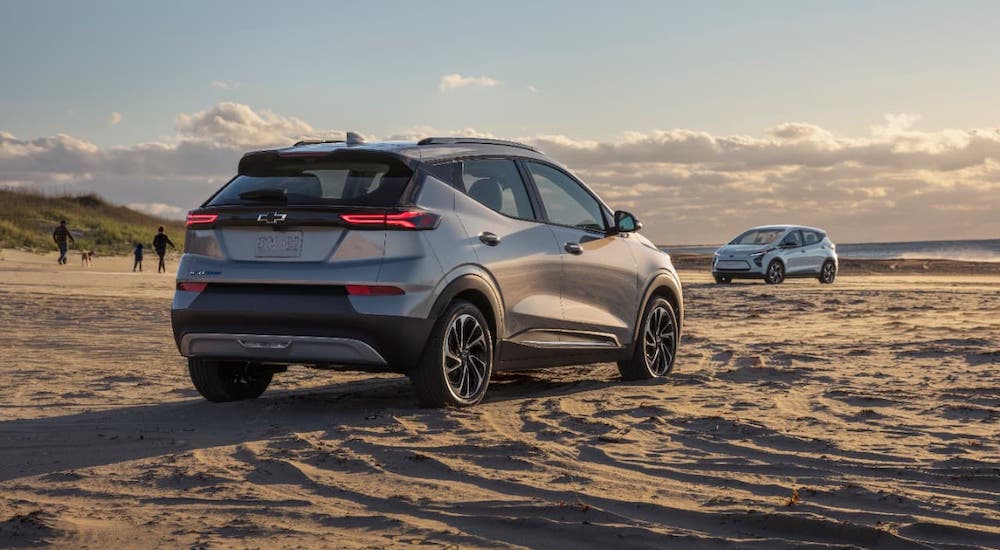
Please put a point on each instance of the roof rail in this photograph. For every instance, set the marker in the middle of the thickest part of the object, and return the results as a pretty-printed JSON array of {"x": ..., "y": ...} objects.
[
  {"x": 316, "y": 141},
  {"x": 482, "y": 141}
]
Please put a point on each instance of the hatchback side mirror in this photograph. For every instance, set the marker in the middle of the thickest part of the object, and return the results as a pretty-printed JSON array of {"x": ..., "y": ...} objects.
[
  {"x": 625, "y": 222},
  {"x": 788, "y": 245}
]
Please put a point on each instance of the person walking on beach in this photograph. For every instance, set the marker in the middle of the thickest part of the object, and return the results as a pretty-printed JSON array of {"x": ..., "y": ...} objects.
[
  {"x": 60, "y": 236},
  {"x": 138, "y": 257},
  {"x": 160, "y": 242}
]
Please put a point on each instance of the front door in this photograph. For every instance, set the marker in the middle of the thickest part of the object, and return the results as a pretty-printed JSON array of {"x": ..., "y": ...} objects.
[
  {"x": 600, "y": 287},
  {"x": 796, "y": 259}
]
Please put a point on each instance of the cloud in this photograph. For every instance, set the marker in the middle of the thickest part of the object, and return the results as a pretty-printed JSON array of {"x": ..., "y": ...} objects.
[
  {"x": 116, "y": 117},
  {"x": 416, "y": 133},
  {"x": 895, "y": 182},
  {"x": 239, "y": 125},
  {"x": 532, "y": 89},
  {"x": 159, "y": 209},
  {"x": 454, "y": 81},
  {"x": 225, "y": 84}
]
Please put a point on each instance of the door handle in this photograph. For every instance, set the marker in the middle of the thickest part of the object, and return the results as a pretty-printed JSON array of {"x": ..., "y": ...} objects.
[
  {"x": 489, "y": 239},
  {"x": 573, "y": 248}
]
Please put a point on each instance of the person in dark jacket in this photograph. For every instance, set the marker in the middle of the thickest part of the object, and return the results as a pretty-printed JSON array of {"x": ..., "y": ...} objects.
[
  {"x": 138, "y": 257},
  {"x": 160, "y": 242},
  {"x": 60, "y": 236}
]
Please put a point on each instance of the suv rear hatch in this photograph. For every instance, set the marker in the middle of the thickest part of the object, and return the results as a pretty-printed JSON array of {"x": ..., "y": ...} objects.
[{"x": 308, "y": 207}]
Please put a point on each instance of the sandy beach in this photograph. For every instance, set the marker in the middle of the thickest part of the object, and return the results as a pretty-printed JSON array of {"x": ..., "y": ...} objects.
[{"x": 860, "y": 414}]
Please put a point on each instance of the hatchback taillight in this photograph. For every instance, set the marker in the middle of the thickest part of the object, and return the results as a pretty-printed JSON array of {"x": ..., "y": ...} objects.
[
  {"x": 192, "y": 287},
  {"x": 410, "y": 219},
  {"x": 201, "y": 219}
]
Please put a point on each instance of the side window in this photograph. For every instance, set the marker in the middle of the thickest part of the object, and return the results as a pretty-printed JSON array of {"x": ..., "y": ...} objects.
[
  {"x": 565, "y": 201},
  {"x": 793, "y": 237},
  {"x": 811, "y": 237},
  {"x": 497, "y": 184}
]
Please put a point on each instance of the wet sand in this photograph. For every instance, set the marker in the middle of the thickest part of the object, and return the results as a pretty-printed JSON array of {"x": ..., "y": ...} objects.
[{"x": 866, "y": 413}]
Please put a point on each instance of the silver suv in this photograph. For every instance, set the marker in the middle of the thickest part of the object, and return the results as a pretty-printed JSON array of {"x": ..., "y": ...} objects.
[
  {"x": 444, "y": 259},
  {"x": 774, "y": 252}
]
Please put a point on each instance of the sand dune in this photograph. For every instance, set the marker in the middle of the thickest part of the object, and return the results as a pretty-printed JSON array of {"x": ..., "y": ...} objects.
[{"x": 864, "y": 414}]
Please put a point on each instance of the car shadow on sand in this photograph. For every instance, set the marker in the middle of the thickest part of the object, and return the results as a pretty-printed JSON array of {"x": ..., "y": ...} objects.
[{"x": 30, "y": 447}]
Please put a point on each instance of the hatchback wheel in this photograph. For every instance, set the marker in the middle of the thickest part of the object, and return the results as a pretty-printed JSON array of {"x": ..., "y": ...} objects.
[
  {"x": 656, "y": 343},
  {"x": 457, "y": 363},
  {"x": 222, "y": 381},
  {"x": 828, "y": 273},
  {"x": 775, "y": 273}
]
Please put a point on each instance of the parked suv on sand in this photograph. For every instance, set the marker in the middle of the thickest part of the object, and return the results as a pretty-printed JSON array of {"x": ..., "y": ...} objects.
[
  {"x": 443, "y": 259},
  {"x": 774, "y": 252}
]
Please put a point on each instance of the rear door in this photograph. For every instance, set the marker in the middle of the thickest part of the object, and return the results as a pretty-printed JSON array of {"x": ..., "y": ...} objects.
[
  {"x": 812, "y": 243},
  {"x": 517, "y": 249},
  {"x": 600, "y": 287}
]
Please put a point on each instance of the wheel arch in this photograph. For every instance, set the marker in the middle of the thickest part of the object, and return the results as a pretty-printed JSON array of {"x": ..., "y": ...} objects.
[
  {"x": 479, "y": 292},
  {"x": 668, "y": 287}
]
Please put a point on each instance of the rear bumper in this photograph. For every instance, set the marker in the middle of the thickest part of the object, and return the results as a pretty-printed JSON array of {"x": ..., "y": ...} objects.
[
  {"x": 294, "y": 325},
  {"x": 283, "y": 349}
]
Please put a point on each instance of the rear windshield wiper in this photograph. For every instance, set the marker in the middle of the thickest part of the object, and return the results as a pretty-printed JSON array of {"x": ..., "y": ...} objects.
[{"x": 265, "y": 195}]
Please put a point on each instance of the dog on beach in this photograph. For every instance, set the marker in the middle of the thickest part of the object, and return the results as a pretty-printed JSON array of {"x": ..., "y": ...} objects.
[{"x": 87, "y": 258}]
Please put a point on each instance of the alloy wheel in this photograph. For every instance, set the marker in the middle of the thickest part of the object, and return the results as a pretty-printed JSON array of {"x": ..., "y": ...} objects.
[
  {"x": 775, "y": 272},
  {"x": 828, "y": 273},
  {"x": 659, "y": 341},
  {"x": 466, "y": 357}
]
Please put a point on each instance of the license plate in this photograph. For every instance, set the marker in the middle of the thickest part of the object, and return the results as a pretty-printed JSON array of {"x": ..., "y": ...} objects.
[{"x": 279, "y": 244}]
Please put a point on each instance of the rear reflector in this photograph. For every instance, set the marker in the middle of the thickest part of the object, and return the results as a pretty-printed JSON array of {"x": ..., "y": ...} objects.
[
  {"x": 201, "y": 219},
  {"x": 192, "y": 287},
  {"x": 373, "y": 290},
  {"x": 411, "y": 219}
]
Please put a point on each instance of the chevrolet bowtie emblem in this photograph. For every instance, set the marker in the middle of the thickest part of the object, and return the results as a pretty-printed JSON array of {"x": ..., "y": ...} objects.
[{"x": 272, "y": 217}]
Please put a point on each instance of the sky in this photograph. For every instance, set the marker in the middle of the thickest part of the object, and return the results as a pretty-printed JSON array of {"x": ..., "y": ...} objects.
[{"x": 876, "y": 121}]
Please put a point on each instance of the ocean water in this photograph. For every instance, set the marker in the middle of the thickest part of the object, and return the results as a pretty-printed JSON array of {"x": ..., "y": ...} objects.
[{"x": 985, "y": 250}]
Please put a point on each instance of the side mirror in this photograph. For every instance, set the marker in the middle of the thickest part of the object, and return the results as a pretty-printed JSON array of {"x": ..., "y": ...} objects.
[
  {"x": 626, "y": 222},
  {"x": 788, "y": 244}
]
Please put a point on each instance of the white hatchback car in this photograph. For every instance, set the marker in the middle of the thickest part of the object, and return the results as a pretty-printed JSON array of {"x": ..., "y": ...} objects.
[{"x": 774, "y": 252}]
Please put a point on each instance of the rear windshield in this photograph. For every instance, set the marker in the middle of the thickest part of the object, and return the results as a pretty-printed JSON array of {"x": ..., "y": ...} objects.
[
  {"x": 327, "y": 182},
  {"x": 759, "y": 236}
]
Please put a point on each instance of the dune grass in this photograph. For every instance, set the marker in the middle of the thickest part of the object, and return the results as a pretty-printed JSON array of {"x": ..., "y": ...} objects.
[{"x": 27, "y": 220}]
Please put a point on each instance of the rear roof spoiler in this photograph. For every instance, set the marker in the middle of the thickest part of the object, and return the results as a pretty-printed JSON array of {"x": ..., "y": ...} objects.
[{"x": 474, "y": 140}]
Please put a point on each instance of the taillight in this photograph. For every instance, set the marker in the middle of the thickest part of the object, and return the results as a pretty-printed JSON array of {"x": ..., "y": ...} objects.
[
  {"x": 192, "y": 287},
  {"x": 373, "y": 290},
  {"x": 410, "y": 219},
  {"x": 201, "y": 219}
]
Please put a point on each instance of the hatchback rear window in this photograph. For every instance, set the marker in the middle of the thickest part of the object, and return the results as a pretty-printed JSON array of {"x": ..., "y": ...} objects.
[{"x": 324, "y": 182}]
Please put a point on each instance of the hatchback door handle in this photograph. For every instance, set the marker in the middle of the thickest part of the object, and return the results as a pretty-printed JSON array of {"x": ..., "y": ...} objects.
[
  {"x": 573, "y": 248},
  {"x": 489, "y": 239}
]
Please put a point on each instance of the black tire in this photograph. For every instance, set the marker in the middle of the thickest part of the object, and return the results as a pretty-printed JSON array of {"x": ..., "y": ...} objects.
[
  {"x": 655, "y": 343},
  {"x": 828, "y": 273},
  {"x": 775, "y": 273},
  {"x": 222, "y": 381},
  {"x": 723, "y": 279},
  {"x": 457, "y": 362}
]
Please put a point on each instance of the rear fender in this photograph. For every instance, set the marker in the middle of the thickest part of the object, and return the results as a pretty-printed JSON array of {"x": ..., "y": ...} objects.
[{"x": 476, "y": 282}]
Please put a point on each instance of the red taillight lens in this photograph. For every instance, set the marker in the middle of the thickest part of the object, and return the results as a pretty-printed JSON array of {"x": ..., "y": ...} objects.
[
  {"x": 201, "y": 219},
  {"x": 192, "y": 287},
  {"x": 411, "y": 219},
  {"x": 374, "y": 290}
]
